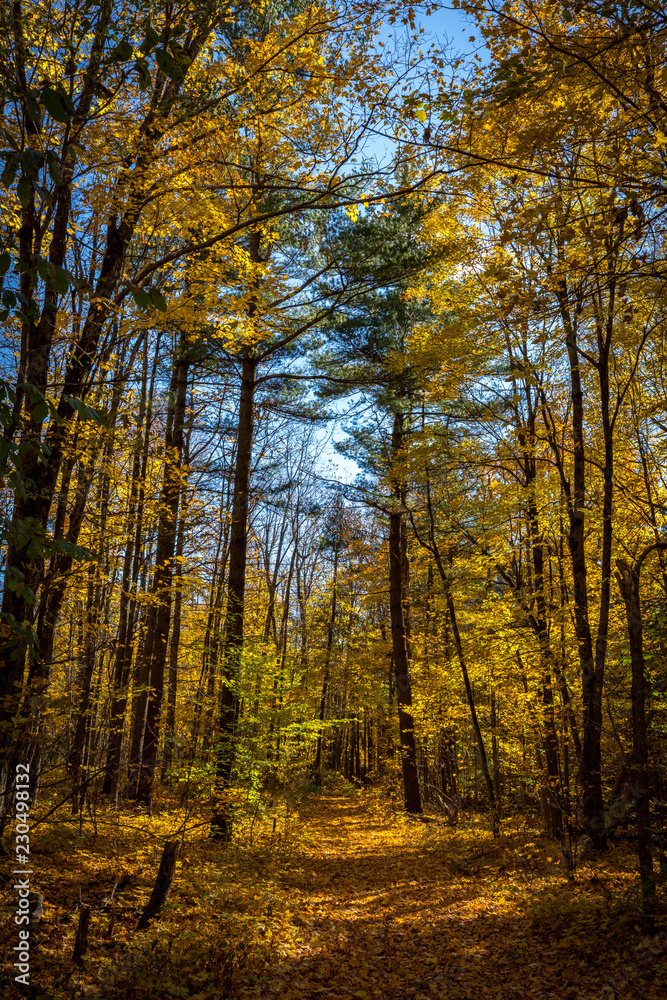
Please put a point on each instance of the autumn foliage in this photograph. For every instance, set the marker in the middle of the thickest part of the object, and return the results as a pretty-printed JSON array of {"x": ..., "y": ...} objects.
[{"x": 334, "y": 564}]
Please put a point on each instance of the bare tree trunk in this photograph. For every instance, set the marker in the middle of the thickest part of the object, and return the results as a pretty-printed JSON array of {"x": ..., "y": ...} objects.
[
  {"x": 431, "y": 544},
  {"x": 81, "y": 939},
  {"x": 97, "y": 572},
  {"x": 130, "y": 578},
  {"x": 154, "y": 650},
  {"x": 174, "y": 646},
  {"x": 282, "y": 650},
  {"x": 495, "y": 749},
  {"x": 592, "y": 663},
  {"x": 399, "y": 632},
  {"x": 628, "y": 583},
  {"x": 205, "y": 698},
  {"x": 537, "y": 611},
  {"x": 83, "y": 686},
  {"x": 473, "y": 714},
  {"x": 221, "y": 820},
  {"x": 317, "y": 767},
  {"x": 406, "y": 724},
  {"x": 165, "y": 877}
]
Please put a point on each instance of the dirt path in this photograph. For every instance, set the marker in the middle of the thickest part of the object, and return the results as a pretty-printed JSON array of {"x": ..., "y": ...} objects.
[{"x": 377, "y": 910}]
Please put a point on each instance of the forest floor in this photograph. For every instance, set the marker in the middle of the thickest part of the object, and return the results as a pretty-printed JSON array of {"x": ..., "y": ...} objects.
[
  {"x": 346, "y": 899},
  {"x": 402, "y": 910}
]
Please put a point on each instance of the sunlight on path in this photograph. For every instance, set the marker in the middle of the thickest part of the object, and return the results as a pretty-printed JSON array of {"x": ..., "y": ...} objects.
[{"x": 382, "y": 911}]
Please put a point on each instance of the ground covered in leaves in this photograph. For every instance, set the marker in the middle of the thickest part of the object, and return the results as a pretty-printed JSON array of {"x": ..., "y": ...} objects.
[{"x": 345, "y": 898}]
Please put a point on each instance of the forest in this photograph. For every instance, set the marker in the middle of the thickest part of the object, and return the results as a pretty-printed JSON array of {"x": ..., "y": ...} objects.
[{"x": 333, "y": 459}]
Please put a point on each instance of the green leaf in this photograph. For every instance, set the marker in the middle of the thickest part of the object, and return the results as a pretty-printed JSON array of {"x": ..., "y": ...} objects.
[
  {"x": 5, "y": 261},
  {"x": 78, "y": 552},
  {"x": 16, "y": 482},
  {"x": 150, "y": 41},
  {"x": 58, "y": 278},
  {"x": 46, "y": 195},
  {"x": 147, "y": 298},
  {"x": 158, "y": 300},
  {"x": 14, "y": 579},
  {"x": 9, "y": 171},
  {"x": 32, "y": 161},
  {"x": 87, "y": 412},
  {"x": 168, "y": 65},
  {"x": 54, "y": 104},
  {"x": 66, "y": 99},
  {"x": 40, "y": 412},
  {"x": 179, "y": 54},
  {"x": 34, "y": 548},
  {"x": 141, "y": 67},
  {"x": 122, "y": 52},
  {"x": 24, "y": 191},
  {"x": 54, "y": 167},
  {"x": 141, "y": 297},
  {"x": 34, "y": 394},
  {"x": 32, "y": 104},
  {"x": 41, "y": 268}
]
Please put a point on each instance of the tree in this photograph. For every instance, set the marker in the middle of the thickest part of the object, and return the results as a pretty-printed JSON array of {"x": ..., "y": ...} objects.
[{"x": 365, "y": 354}]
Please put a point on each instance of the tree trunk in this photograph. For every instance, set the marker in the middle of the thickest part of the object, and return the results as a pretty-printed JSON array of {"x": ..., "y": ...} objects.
[
  {"x": 205, "y": 698},
  {"x": 317, "y": 767},
  {"x": 165, "y": 877},
  {"x": 130, "y": 577},
  {"x": 628, "y": 583},
  {"x": 473, "y": 714},
  {"x": 495, "y": 749},
  {"x": 399, "y": 631},
  {"x": 83, "y": 687},
  {"x": 174, "y": 645},
  {"x": 592, "y": 667},
  {"x": 97, "y": 573},
  {"x": 53, "y": 593},
  {"x": 540, "y": 626},
  {"x": 221, "y": 820},
  {"x": 154, "y": 650},
  {"x": 413, "y": 802},
  {"x": 81, "y": 939},
  {"x": 537, "y": 611}
]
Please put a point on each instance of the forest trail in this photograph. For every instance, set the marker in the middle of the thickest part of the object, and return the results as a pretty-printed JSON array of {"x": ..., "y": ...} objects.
[{"x": 396, "y": 913}]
